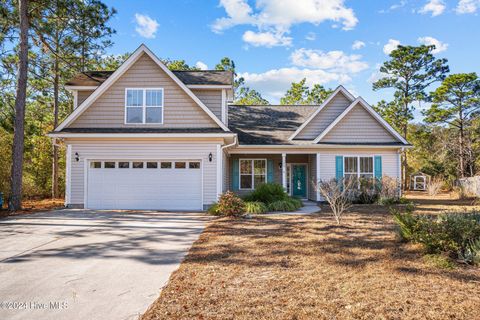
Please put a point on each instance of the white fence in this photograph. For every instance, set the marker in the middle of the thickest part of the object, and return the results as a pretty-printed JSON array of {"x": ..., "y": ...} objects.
[{"x": 471, "y": 185}]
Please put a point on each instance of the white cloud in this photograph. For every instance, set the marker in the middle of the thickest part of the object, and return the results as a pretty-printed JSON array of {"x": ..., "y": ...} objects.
[
  {"x": 435, "y": 7},
  {"x": 266, "y": 39},
  {"x": 201, "y": 65},
  {"x": 428, "y": 41},
  {"x": 316, "y": 66},
  {"x": 275, "y": 17},
  {"x": 274, "y": 83},
  {"x": 311, "y": 36},
  {"x": 146, "y": 26},
  {"x": 357, "y": 45},
  {"x": 467, "y": 6},
  {"x": 391, "y": 45},
  {"x": 336, "y": 60},
  {"x": 394, "y": 6}
]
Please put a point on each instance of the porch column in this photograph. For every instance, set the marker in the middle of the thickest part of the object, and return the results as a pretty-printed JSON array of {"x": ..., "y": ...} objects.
[
  {"x": 318, "y": 177},
  {"x": 284, "y": 171}
]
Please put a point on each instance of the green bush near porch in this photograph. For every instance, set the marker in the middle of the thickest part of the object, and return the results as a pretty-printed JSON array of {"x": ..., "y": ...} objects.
[{"x": 273, "y": 198}]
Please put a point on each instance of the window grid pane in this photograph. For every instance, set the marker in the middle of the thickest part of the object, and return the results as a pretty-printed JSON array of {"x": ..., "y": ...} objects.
[
  {"x": 366, "y": 165},
  {"x": 153, "y": 115},
  {"x": 154, "y": 98},
  {"x": 245, "y": 166},
  {"x": 245, "y": 181},
  {"x": 351, "y": 165},
  {"x": 134, "y": 97}
]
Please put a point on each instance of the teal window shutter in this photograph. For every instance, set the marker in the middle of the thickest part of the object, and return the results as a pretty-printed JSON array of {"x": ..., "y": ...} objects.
[
  {"x": 235, "y": 175},
  {"x": 269, "y": 170},
  {"x": 339, "y": 168},
  {"x": 378, "y": 167}
]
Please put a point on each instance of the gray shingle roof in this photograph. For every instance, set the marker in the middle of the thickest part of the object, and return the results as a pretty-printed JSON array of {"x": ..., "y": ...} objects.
[
  {"x": 267, "y": 124},
  {"x": 204, "y": 77},
  {"x": 212, "y": 77}
]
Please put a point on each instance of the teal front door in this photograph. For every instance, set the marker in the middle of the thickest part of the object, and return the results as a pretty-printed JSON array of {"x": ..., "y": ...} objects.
[{"x": 299, "y": 180}]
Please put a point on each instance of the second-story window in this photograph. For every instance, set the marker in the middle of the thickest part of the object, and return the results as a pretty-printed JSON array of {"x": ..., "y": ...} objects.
[{"x": 144, "y": 106}]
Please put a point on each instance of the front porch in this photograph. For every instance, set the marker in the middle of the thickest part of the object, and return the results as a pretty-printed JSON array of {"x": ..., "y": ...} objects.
[{"x": 297, "y": 173}]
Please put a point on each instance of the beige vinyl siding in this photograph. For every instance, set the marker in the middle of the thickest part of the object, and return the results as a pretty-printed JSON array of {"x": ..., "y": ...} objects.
[
  {"x": 180, "y": 111},
  {"x": 359, "y": 126},
  {"x": 82, "y": 95},
  {"x": 212, "y": 99},
  {"x": 329, "y": 113},
  {"x": 389, "y": 161},
  {"x": 117, "y": 149}
]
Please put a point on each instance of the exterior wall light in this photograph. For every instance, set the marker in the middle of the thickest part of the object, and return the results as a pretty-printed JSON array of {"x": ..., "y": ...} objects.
[{"x": 210, "y": 157}]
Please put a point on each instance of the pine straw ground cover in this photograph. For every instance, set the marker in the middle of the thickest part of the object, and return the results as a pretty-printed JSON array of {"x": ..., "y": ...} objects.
[
  {"x": 35, "y": 205},
  {"x": 307, "y": 267}
]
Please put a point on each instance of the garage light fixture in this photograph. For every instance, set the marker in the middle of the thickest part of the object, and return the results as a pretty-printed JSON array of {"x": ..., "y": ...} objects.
[
  {"x": 210, "y": 156},
  {"x": 77, "y": 157}
]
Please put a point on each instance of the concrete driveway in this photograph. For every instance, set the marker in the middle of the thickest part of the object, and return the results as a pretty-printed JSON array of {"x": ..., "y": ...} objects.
[{"x": 79, "y": 264}]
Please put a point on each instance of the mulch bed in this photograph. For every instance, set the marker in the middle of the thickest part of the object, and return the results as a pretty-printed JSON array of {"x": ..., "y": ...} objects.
[{"x": 308, "y": 267}]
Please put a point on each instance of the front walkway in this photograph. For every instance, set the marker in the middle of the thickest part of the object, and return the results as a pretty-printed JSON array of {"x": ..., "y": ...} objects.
[
  {"x": 309, "y": 207},
  {"x": 75, "y": 264}
]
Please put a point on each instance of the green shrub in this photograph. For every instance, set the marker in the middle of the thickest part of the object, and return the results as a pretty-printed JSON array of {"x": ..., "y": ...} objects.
[
  {"x": 297, "y": 202},
  {"x": 287, "y": 205},
  {"x": 407, "y": 223},
  {"x": 213, "y": 210},
  {"x": 255, "y": 207},
  {"x": 267, "y": 193},
  {"x": 230, "y": 205},
  {"x": 456, "y": 234}
]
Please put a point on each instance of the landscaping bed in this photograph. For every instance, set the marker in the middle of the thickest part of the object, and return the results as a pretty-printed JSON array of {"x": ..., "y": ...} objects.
[{"x": 308, "y": 267}]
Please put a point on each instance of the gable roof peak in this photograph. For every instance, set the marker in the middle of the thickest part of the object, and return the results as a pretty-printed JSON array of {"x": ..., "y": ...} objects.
[
  {"x": 134, "y": 57},
  {"x": 339, "y": 90}
]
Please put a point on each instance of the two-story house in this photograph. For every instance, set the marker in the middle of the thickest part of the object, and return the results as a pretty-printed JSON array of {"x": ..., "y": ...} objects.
[{"x": 145, "y": 137}]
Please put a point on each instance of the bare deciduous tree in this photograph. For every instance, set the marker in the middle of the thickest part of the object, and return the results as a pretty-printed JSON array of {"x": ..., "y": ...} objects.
[{"x": 338, "y": 195}]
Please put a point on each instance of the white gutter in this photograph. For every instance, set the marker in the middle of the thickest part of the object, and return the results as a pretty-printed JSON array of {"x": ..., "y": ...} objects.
[
  {"x": 231, "y": 144},
  {"x": 139, "y": 135},
  {"x": 320, "y": 146}
]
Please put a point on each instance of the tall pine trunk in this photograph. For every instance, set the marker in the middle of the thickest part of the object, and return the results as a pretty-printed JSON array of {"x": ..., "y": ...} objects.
[
  {"x": 15, "y": 200},
  {"x": 55, "y": 192}
]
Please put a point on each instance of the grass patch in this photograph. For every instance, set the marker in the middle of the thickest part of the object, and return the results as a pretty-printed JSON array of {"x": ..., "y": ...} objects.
[{"x": 439, "y": 261}]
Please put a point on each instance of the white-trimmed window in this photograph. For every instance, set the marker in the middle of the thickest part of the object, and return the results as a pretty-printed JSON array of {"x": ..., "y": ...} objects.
[
  {"x": 253, "y": 172},
  {"x": 143, "y": 106},
  {"x": 358, "y": 167}
]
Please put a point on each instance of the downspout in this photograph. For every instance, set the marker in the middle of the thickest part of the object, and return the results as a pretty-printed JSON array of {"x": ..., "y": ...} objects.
[
  {"x": 231, "y": 144},
  {"x": 222, "y": 150}
]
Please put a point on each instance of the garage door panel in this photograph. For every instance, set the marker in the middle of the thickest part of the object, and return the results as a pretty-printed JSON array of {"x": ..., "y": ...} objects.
[{"x": 145, "y": 188}]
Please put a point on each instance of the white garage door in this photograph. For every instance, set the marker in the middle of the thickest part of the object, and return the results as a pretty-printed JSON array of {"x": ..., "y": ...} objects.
[{"x": 155, "y": 184}]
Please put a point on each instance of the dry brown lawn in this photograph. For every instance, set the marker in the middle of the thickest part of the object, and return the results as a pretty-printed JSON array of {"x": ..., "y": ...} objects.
[{"x": 307, "y": 267}]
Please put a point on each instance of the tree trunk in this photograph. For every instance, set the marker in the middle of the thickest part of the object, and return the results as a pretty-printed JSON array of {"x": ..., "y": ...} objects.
[
  {"x": 461, "y": 146},
  {"x": 406, "y": 185},
  {"x": 15, "y": 200},
  {"x": 55, "y": 124}
]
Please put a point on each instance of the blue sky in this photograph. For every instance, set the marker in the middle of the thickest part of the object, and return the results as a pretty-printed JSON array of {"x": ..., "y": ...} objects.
[{"x": 274, "y": 42}]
